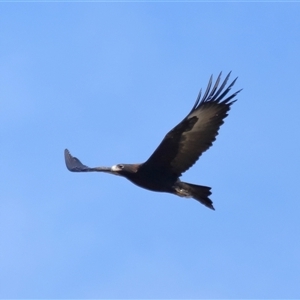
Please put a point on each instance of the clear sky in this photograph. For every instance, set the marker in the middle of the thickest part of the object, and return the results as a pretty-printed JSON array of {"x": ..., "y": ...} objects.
[{"x": 108, "y": 81}]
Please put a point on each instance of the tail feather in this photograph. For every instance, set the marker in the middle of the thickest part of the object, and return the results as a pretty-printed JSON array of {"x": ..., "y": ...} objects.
[{"x": 199, "y": 192}]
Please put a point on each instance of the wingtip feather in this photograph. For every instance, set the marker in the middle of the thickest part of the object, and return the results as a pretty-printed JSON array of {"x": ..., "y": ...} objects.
[{"x": 216, "y": 93}]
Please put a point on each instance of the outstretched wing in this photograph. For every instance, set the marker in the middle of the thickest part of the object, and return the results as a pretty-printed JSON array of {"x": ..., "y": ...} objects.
[
  {"x": 74, "y": 165},
  {"x": 185, "y": 143}
]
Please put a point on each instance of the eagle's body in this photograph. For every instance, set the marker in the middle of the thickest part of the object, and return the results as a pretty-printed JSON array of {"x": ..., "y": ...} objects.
[{"x": 179, "y": 150}]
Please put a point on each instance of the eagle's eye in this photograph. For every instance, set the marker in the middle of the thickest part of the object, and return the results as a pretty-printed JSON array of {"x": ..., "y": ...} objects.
[{"x": 121, "y": 166}]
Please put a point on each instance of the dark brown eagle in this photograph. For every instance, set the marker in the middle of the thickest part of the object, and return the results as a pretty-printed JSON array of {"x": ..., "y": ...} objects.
[{"x": 179, "y": 150}]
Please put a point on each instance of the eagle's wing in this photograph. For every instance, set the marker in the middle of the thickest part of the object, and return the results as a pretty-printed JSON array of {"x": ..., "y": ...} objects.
[
  {"x": 185, "y": 143},
  {"x": 73, "y": 164}
]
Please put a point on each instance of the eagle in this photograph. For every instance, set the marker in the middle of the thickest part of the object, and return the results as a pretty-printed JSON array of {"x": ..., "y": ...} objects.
[{"x": 180, "y": 148}]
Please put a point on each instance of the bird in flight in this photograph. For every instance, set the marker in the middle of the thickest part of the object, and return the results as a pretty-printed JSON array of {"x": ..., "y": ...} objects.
[{"x": 180, "y": 148}]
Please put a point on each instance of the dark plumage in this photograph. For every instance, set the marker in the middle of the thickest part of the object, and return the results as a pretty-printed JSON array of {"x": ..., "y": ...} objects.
[{"x": 179, "y": 150}]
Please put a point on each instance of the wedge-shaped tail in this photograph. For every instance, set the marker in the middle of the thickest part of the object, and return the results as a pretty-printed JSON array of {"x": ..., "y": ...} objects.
[{"x": 199, "y": 192}]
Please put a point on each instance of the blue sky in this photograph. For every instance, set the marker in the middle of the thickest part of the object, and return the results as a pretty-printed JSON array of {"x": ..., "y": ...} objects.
[{"x": 107, "y": 81}]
